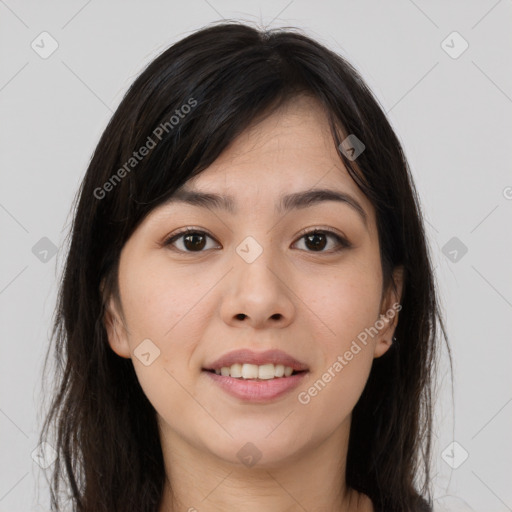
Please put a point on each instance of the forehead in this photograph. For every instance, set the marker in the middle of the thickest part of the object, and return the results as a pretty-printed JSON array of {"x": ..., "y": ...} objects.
[
  {"x": 297, "y": 131},
  {"x": 289, "y": 152}
]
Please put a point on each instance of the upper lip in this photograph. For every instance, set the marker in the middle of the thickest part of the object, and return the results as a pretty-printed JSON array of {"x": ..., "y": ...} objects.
[{"x": 258, "y": 358}]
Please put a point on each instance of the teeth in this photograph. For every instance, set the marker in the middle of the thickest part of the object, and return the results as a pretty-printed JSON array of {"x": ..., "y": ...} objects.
[
  {"x": 235, "y": 370},
  {"x": 279, "y": 370},
  {"x": 266, "y": 371},
  {"x": 249, "y": 371},
  {"x": 253, "y": 371}
]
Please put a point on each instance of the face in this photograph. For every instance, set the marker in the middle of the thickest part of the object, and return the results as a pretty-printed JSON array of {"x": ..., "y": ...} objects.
[{"x": 257, "y": 278}]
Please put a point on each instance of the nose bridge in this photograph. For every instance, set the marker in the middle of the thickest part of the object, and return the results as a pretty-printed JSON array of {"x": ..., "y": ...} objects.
[
  {"x": 254, "y": 262},
  {"x": 257, "y": 291}
]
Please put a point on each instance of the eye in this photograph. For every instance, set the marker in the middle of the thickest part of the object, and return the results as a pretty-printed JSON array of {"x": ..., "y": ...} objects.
[
  {"x": 193, "y": 240},
  {"x": 316, "y": 240}
]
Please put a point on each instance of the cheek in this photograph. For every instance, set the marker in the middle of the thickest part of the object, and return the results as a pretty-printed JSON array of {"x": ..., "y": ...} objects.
[
  {"x": 329, "y": 399},
  {"x": 160, "y": 298},
  {"x": 345, "y": 307},
  {"x": 346, "y": 303},
  {"x": 164, "y": 305},
  {"x": 168, "y": 306}
]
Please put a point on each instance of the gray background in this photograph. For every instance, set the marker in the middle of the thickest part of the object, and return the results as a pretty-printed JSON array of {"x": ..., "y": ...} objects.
[{"x": 453, "y": 116}]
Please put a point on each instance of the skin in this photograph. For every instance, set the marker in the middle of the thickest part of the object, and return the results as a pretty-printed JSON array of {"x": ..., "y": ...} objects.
[{"x": 310, "y": 304}]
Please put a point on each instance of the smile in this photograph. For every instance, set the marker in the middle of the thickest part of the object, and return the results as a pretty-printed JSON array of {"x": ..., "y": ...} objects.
[{"x": 253, "y": 371}]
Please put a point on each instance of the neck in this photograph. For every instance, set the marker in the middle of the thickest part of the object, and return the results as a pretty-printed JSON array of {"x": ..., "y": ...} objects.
[{"x": 313, "y": 479}]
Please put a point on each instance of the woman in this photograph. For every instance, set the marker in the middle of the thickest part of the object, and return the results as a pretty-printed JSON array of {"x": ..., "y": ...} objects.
[{"x": 247, "y": 318}]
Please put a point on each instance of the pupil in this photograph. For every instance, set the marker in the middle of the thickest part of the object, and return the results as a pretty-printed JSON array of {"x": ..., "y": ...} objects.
[
  {"x": 194, "y": 245},
  {"x": 316, "y": 244}
]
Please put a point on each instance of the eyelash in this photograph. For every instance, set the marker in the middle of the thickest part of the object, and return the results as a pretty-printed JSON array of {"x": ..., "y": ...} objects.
[{"x": 343, "y": 243}]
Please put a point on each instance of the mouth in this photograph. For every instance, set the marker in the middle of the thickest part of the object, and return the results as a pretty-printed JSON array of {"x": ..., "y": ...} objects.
[{"x": 256, "y": 377}]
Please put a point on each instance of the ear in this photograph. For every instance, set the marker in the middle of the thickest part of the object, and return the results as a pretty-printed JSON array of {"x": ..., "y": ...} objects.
[
  {"x": 390, "y": 306},
  {"x": 114, "y": 325}
]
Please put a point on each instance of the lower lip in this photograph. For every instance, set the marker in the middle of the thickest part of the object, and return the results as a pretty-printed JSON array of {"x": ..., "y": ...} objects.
[{"x": 257, "y": 391}]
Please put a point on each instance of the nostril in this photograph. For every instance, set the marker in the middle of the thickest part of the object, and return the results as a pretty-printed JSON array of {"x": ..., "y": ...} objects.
[{"x": 240, "y": 316}]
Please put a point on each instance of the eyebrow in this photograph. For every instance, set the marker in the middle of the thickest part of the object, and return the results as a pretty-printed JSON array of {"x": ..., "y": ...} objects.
[{"x": 297, "y": 200}]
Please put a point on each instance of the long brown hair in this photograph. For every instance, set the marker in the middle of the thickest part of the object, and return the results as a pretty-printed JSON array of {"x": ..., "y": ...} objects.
[{"x": 229, "y": 74}]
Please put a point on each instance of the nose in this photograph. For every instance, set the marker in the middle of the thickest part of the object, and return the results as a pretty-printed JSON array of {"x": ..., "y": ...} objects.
[{"x": 257, "y": 294}]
